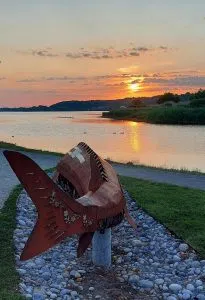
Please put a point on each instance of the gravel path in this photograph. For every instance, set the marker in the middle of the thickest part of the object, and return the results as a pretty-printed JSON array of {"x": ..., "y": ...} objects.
[
  {"x": 149, "y": 263},
  {"x": 8, "y": 180}
]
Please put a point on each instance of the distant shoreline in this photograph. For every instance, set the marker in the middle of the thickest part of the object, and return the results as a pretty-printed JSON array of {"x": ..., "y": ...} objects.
[
  {"x": 92, "y": 105},
  {"x": 176, "y": 115}
]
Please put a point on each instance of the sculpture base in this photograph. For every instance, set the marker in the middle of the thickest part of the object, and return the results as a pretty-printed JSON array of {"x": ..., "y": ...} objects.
[{"x": 101, "y": 248}]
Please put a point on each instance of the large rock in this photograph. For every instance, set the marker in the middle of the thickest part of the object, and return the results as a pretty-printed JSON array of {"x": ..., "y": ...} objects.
[
  {"x": 46, "y": 276},
  {"x": 136, "y": 243},
  {"x": 175, "y": 287},
  {"x": 159, "y": 281},
  {"x": 134, "y": 279},
  {"x": 146, "y": 284},
  {"x": 190, "y": 287},
  {"x": 75, "y": 274},
  {"x": 183, "y": 247},
  {"x": 201, "y": 297}
]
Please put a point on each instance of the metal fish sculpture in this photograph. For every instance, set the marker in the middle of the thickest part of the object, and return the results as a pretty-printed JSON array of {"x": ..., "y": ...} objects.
[{"x": 83, "y": 196}]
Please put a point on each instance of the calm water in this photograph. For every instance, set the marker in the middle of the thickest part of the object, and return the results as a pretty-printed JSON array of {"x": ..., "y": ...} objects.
[{"x": 167, "y": 146}]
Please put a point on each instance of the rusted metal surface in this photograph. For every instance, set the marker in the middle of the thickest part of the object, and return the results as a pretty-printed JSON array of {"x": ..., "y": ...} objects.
[{"x": 84, "y": 196}]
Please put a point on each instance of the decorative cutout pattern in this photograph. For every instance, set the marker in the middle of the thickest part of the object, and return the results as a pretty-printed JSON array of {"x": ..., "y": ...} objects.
[
  {"x": 97, "y": 159},
  {"x": 54, "y": 202},
  {"x": 67, "y": 187},
  {"x": 86, "y": 222},
  {"x": 70, "y": 219}
]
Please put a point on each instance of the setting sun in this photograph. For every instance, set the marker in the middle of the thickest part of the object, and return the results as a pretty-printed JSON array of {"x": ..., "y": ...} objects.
[{"x": 134, "y": 87}]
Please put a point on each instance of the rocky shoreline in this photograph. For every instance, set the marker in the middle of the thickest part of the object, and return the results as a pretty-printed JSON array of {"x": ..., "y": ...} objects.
[{"x": 150, "y": 263}]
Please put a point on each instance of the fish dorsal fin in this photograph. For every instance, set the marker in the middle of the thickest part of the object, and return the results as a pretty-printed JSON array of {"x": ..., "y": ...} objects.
[{"x": 98, "y": 172}]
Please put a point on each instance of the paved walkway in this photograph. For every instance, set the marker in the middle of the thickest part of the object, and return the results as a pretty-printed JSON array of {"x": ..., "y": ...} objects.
[
  {"x": 8, "y": 179},
  {"x": 176, "y": 178}
]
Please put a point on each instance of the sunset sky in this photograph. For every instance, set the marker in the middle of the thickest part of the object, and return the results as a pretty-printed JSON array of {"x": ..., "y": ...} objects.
[{"x": 52, "y": 51}]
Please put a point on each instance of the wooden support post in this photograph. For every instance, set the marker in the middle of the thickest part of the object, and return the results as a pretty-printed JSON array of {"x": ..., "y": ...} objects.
[{"x": 101, "y": 248}]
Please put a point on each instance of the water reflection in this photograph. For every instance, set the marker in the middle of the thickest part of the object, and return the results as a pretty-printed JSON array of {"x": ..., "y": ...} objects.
[
  {"x": 170, "y": 146},
  {"x": 134, "y": 136},
  {"x": 98, "y": 120}
]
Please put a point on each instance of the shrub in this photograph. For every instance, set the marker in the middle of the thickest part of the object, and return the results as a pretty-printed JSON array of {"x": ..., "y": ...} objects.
[
  {"x": 168, "y": 104},
  {"x": 163, "y": 115},
  {"x": 137, "y": 104},
  {"x": 197, "y": 102},
  {"x": 168, "y": 97},
  {"x": 199, "y": 95}
]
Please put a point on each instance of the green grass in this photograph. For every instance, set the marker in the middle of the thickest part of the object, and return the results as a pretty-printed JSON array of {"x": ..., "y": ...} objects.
[
  {"x": 10, "y": 146},
  {"x": 176, "y": 115},
  {"x": 9, "y": 277},
  {"x": 181, "y": 210}
]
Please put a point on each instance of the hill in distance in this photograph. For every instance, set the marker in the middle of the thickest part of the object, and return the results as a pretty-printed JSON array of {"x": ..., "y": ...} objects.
[{"x": 91, "y": 105}]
